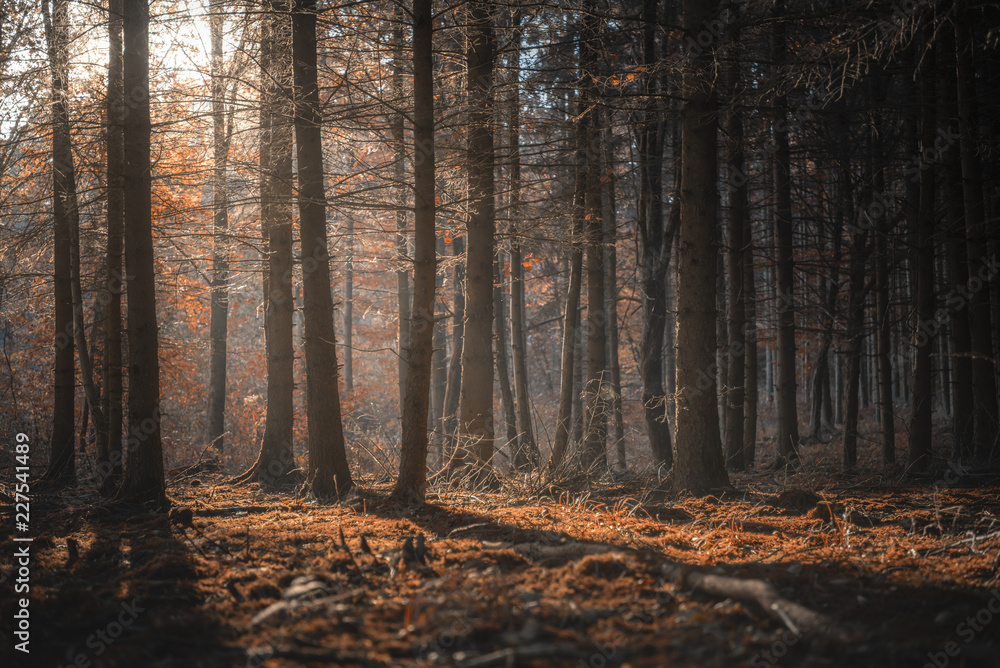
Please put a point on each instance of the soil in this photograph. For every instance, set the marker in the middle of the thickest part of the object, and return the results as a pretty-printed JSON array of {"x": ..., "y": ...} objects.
[{"x": 906, "y": 574}]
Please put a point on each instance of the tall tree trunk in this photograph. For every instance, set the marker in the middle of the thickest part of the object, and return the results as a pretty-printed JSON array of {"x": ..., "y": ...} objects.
[
  {"x": 143, "y": 476},
  {"x": 276, "y": 460},
  {"x": 66, "y": 205},
  {"x": 982, "y": 266},
  {"x": 454, "y": 388},
  {"x": 788, "y": 416},
  {"x": 750, "y": 357},
  {"x": 698, "y": 462},
  {"x": 329, "y": 474},
  {"x": 923, "y": 389},
  {"x": 503, "y": 367},
  {"x": 349, "y": 308},
  {"x": 739, "y": 209},
  {"x": 527, "y": 446},
  {"x": 962, "y": 381},
  {"x": 855, "y": 321},
  {"x": 404, "y": 294},
  {"x": 656, "y": 244},
  {"x": 593, "y": 454},
  {"x": 62, "y": 463},
  {"x": 219, "y": 326},
  {"x": 610, "y": 229},
  {"x": 475, "y": 422},
  {"x": 571, "y": 326},
  {"x": 886, "y": 410},
  {"x": 109, "y": 449},
  {"x": 412, "y": 479}
]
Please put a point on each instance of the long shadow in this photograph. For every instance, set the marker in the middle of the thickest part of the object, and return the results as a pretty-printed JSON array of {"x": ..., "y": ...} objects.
[{"x": 128, "y": 596}]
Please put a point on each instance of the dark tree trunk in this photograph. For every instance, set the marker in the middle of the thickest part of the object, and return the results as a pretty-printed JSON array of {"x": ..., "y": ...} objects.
[
  {"x": 349, "y": 309},
  {"x": 883, "y": 321},
  {"x": 503, "y": 367},
  {"x": 62, "y": 464},
  {"x": 962, "y": 381},
  {"x": 698, "y": 462},
  {"x": 788, "y": 416},
  {"x": 527, "y": 447},
  {"x": 571, "y": 325},
  {"x": 329, "y": 474},
  {"x": 276, "y": 460},
  {"x": 454, "y": 388},
  {"x": 404, "y": 294},
  {"x": 593, "y": 454},
  {"x": 982, "y": 267},
  {"x": 655, "y": 244},
  {"x": 218, "y": 334},
  {"x": 109, "y": 449},
  {"x": 412, "y": 479},
  {"x": 923, "y": 389},
  {"x": 143, "y": 476},
  {"x": 739, "y": 208},
  {"x": 475, "y": 421}
]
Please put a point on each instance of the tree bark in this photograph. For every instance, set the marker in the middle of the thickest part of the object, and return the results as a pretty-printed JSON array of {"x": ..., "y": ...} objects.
[
  {"x": 527, "y": 447},
  {"x": 404, "y": 293},
  {"x": 219, "y": 319},
  {"x": 656, "y": 243},
  {"x": 475, "y": 422},
  {"x": 698, "y": 462},
  {"x": 923, "y": 334},
  {"x": 412, "y": 480},
  {"x": 276, "y": 460},
  {"x": 143, "y": 476},
  {"x": 982, "y": 266},
  {"x": 571, "y": 325},
  {"x": 962, "y": 380},
  {"x": 329, "y": 474},
  {"x": 788, "y": 416},
  {"x": 739, "y": 207},
  {"x": 109, "y": 448},
  {"x": 62, "y": 463}
]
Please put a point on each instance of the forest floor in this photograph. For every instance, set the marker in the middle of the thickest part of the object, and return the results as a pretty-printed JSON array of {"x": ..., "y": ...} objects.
[{"x": 899, "y": 573}]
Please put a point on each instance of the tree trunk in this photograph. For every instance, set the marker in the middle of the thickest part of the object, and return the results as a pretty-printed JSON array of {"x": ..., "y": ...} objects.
[
  {"x": 62, "y": 462},
  {"x": 982, "y": 267},
  {"x": 571, "y": 325},
  {"x": 739, "y": 207},
  {"x": 698, "y": 462},
  {"x": 404, "y": 294},
  {"x": 276, "y": 460},
  {"x": 655, "y": 244},
  {"x": 412, "y": 479},
  {"x": 750, "y": 357},
  {"x": 109, "y": 449},
  {"x": 788, "y": 416},
  {"x": 218, "y": 334},
  {"x": 886, "y": 410},
  {"x": 527, "y": 446},
  {"x": 503, "y": 368},
  {"x": 329, "y": 474},
  {"x": 65, "y": 199},
  {"x": 475, "y": 422},
  {"x": 855, "y": 320},
  {"x": 143, "y": 476},
  {"x": 593, "y": 454},
  {"x": 610, "y": 229},
  {"x": 923, "y": 390},
  {"x": 962, "y": 380},
  {"x": 454, "y": 388},
  {"x": 349, "y": 309}
]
